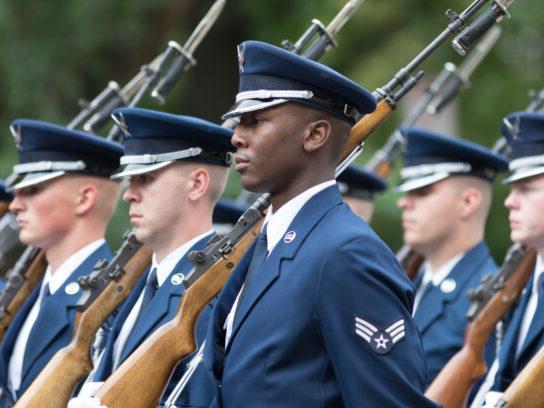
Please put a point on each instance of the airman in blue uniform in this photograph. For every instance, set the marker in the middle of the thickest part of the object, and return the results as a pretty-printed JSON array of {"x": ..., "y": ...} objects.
[
  {"x": 359, "y": 188},
  {"x": 524, "y": 334},
  {"x": 447, "y": 183},
  {"x": 318, "y": 311},
  {"x": 177, "y": 168},
  {"x": 63, "y": 201}
]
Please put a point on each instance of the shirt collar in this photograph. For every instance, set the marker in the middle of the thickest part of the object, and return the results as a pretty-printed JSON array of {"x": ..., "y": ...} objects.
[
  {"x": 171, "y": 260},
  {"x": 442, "y": 273},
  {"x": 279, "y": 221},
  {"x": 61, "y": 275},
  {"x": 539, "y": 269}
]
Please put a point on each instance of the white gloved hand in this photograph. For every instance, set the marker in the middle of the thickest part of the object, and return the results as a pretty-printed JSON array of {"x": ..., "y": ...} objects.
[
  {"x": 491, "y": 399},
  {"x": 85, "y": 398}
]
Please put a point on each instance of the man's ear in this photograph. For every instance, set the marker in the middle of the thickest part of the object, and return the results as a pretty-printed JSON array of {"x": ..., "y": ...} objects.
[
  {"x": 86, "y": 199},
  {"x": 199, "y": 182},
  {"x": 316, "y": 135},
  {"x": 471, "y": 199}
]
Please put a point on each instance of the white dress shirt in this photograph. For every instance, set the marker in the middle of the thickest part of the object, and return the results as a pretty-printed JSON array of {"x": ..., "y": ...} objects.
[
  {"x": 55, "y": 280},
  {"x": 164, "y": 268},
  {"x": 277, "y": 222},
  {"x": 434, "y": 278}
]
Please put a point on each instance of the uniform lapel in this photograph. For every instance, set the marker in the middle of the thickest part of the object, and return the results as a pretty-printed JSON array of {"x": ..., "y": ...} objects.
[
  {"x": 11, "y": 334},
  {"x": 536, "y": 329},
  {"x": 57, "y": 308},
  {"x": 105, "y": 365},
  {"x": 507, "y": 356},
  {"x": 164, "y": 304},
  {"x": 214, "y": 352},
  {"x": 307, "y": 218},
  {"x": 433, "y": 302}
]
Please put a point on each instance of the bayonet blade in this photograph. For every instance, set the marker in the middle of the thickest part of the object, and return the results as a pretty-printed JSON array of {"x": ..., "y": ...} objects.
[
  {"x": 343, "y": 16},
  {"x": 204, "y": 26}
]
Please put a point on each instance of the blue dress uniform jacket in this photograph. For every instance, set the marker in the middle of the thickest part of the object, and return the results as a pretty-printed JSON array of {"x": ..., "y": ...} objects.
[
  {"x": 57, "y": 327},
  {"x": 295, "y": 344},
  {"x": 510, "y": 365},
  {"x": 163, "y": 305},
  {"x": 441, "y": 314}
]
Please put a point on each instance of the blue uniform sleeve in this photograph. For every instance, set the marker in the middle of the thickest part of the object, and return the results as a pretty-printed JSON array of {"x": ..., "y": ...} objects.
[{"x": 362, "y": 308}]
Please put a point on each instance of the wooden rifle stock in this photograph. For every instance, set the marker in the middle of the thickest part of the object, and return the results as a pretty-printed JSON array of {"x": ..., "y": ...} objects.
[
  {"x": 364, "y": 127},
  {"x": 32, "y": 276},
  {"x": 410, "y": 261},
  {"x": 54, "y": 386},
  {"x": 526, "y": 391},
  {"x": 140, "y": 380},
  {"x": 452, "y": 385}
]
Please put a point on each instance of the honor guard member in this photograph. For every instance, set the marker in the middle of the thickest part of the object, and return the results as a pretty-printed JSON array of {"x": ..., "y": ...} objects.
[
  {"x": 63, "y": 202},
  {"x": 322, "y": 319},
  {"x": 359, "y": 187},
  {"x": 177, "y": 167},
  {"x": 447, "y": 183},
  {"x": 524, "y": 335}
]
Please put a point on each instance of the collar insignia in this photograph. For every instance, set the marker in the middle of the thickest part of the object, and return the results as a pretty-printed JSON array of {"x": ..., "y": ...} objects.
[
  {"x": 177, "y": 279},
  {"x": 289, "y": 237},
  {"x": 448, "y": 286},
  {"x": 72, "y": 288}
]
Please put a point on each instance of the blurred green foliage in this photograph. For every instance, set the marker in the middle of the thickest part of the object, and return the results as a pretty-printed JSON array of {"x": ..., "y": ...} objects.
[{"x": 54, "y": 53}]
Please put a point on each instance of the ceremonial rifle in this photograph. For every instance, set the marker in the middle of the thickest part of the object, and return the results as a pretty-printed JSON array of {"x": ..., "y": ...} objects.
[
  {"x": 110, "y": 283},
  {"x": 490, "y": 302},
  {"x": 159, "y": 76},
  {"x": 526, "y": 390},
  {"x": 437, "y": 96},
  {"x": 21, "y": 281},
  {"x": 212, "y": 267},
  {"x": 104, "y": 290},
  {"x": 162, "y": 74},
  {"x": 10, "y": 246}
]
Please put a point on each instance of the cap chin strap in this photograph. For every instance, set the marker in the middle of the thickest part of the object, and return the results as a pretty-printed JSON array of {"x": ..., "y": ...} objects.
[
  {"x": 531, "y": 161},
  {"x": 163, "y": 157},
  {"x": 270, "y": 94},
  {"x": 49, "y": 166},
  {"x": 428, "y": 169}
]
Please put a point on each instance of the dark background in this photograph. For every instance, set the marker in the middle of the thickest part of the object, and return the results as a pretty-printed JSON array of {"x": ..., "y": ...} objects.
[{"x": 55, "y": 52}]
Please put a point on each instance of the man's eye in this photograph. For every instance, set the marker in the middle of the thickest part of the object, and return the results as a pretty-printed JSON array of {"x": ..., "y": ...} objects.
[{"x": 31, "y": 190}]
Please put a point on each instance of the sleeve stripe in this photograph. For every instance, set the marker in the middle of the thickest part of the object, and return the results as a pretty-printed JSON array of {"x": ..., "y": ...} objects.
[
  {"x": 397, "y": 331},
  {"x": 395, "y": 325},
  {"x": 365, "y": 323},
  {"x": 364, "y": 329},
  {"x": 363, "y": 335}
]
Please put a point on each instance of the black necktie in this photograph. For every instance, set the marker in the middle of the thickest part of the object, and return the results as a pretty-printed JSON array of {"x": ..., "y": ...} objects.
[
  {"x": 149, "y": 290},
  {"x": 36, "y": 331},
  {"x": 259, "y": 256}
]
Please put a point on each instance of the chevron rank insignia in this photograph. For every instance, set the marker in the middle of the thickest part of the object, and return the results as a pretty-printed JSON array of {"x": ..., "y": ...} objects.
[{"x": 380, "y": 341}]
